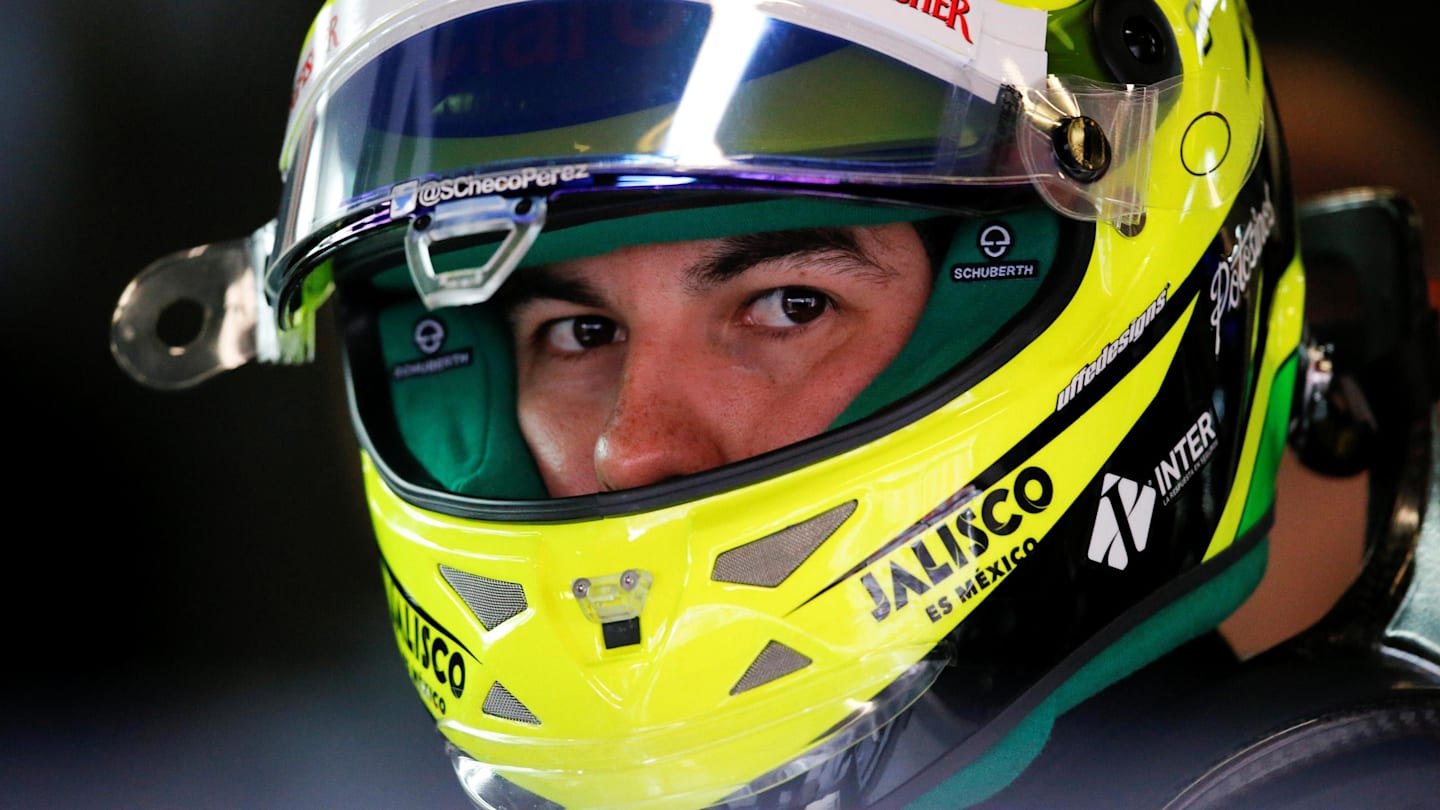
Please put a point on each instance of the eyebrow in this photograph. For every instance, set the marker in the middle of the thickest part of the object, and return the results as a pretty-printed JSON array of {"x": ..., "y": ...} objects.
[
  {"x": 731, "y": 257},
  {"x": 735, "y": 255},
  {"x": 544, "y": 281}
]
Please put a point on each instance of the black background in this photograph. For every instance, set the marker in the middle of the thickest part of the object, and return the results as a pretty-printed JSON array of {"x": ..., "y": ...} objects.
[
  {"x": 195, "y": 610},
  {"x": 199, "y": 619}
]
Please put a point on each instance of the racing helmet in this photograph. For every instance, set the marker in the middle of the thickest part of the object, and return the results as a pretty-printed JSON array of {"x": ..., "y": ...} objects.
[{"x": 1066, "y": 470}]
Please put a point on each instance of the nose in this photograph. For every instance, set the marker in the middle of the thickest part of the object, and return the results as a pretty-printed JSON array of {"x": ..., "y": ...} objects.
[{"x": 664, "y": 421}]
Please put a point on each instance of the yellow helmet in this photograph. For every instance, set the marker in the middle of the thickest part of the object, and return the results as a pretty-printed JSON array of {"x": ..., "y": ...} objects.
[{"x": 1067, "y": 470}]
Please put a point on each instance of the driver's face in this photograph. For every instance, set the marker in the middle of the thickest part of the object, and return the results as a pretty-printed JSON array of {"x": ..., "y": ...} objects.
[{"x": 666, "y": 359}]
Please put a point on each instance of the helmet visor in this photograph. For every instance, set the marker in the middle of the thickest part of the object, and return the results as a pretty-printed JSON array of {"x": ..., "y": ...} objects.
[
  {"x": 480, "y": 104},
  {"x": 668, "y": 84}
]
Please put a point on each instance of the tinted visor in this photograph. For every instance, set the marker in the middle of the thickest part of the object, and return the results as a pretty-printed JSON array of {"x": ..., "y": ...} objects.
[
  {"x": 660, "y": 85},
  {"x": 670, "y": 84},
  {"x": 531, "y": 99}
]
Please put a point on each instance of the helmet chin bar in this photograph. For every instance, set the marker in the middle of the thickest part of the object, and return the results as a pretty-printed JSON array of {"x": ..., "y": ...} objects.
[
  {"x": 195, "y": 313},
  {"x": 1366, "y": 402}
]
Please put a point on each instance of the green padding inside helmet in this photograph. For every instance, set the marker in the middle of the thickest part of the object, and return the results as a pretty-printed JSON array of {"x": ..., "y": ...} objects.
[
  {"x": 962, "y": 314},
  {"x": 455, "y": 408},
  {"x": 682, "y": 225}
]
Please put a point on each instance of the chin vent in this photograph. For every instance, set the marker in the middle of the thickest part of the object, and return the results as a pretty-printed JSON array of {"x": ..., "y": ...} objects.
[
  {"x": 500, "y": 703},
  {"x": 492, "y": 600},
  {"x": 775, "y": 661},
  {"x": 768, "y": 561}
]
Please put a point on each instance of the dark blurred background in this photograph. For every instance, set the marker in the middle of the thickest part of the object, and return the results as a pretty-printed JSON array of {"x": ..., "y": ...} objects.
[{"x": 199, "y": 620}]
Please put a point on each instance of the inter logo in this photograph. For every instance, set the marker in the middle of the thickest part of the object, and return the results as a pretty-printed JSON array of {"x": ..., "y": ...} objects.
[
  {"x": 1122, "y": 521},
  {"x": 1188, "y": 455}
]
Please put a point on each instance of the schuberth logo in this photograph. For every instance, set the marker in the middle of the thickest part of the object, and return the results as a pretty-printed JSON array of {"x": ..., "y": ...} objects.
[
  {"x": 429, "y": 336},
  {"x": 995, "y": 241},
  {"x": 946, "y": 11}
]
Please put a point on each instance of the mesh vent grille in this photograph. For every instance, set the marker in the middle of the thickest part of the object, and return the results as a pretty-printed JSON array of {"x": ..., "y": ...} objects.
[
  {"x": 768, "y": 561},
  {"x": 775, "y": 661},
  {"x": 500, "y": 703},
  {"x": 492, "y": 600}
]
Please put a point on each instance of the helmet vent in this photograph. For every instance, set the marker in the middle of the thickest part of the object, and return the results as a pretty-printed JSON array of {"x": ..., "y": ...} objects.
[
  {"x": 1136, "y": 41},
  {"x": 500, "y": 703},
  {"x": 493, "y": 601},
  {"x": 768, "y": 561},
  {"x": 775, "y": 661}
]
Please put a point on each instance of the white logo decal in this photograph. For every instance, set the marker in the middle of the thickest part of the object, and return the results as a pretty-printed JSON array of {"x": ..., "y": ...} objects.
[
  {"x": 429, "y": 335},
  {"x": 433, "y": 192},
  {"x": 1132, "y": 333},
  {"x": 1231, "y": 283},
  {"x": 406, "y": 196},
  {"x": 402, "y": 199},
  {"x": 1187, "y": 456},
  {"x": 1122, "y": 521},
  {"x": 995, "y": 241}
]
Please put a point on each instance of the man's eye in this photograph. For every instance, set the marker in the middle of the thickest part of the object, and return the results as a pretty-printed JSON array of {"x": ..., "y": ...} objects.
[
  {"x": 574, "y": 335},
  {"x": 785, "y": 307}
]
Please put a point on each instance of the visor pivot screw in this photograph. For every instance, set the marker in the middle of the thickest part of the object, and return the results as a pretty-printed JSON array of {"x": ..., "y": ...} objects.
[
  {"x": 581, "y": 588},
  {"x": 628, "y": 580},
  {"x": 421, "y": 222},
  {"x": 1081, "y": 148},
  {"x": 522, "y": 206},
  {"x": 1131, "y": 226}
]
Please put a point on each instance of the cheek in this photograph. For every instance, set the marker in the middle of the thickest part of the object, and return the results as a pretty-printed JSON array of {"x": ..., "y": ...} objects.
[
  {"x": 900, "y": 312},
  {"x": 821, "y": 387},
  {"x": 562, "y": 439}
]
